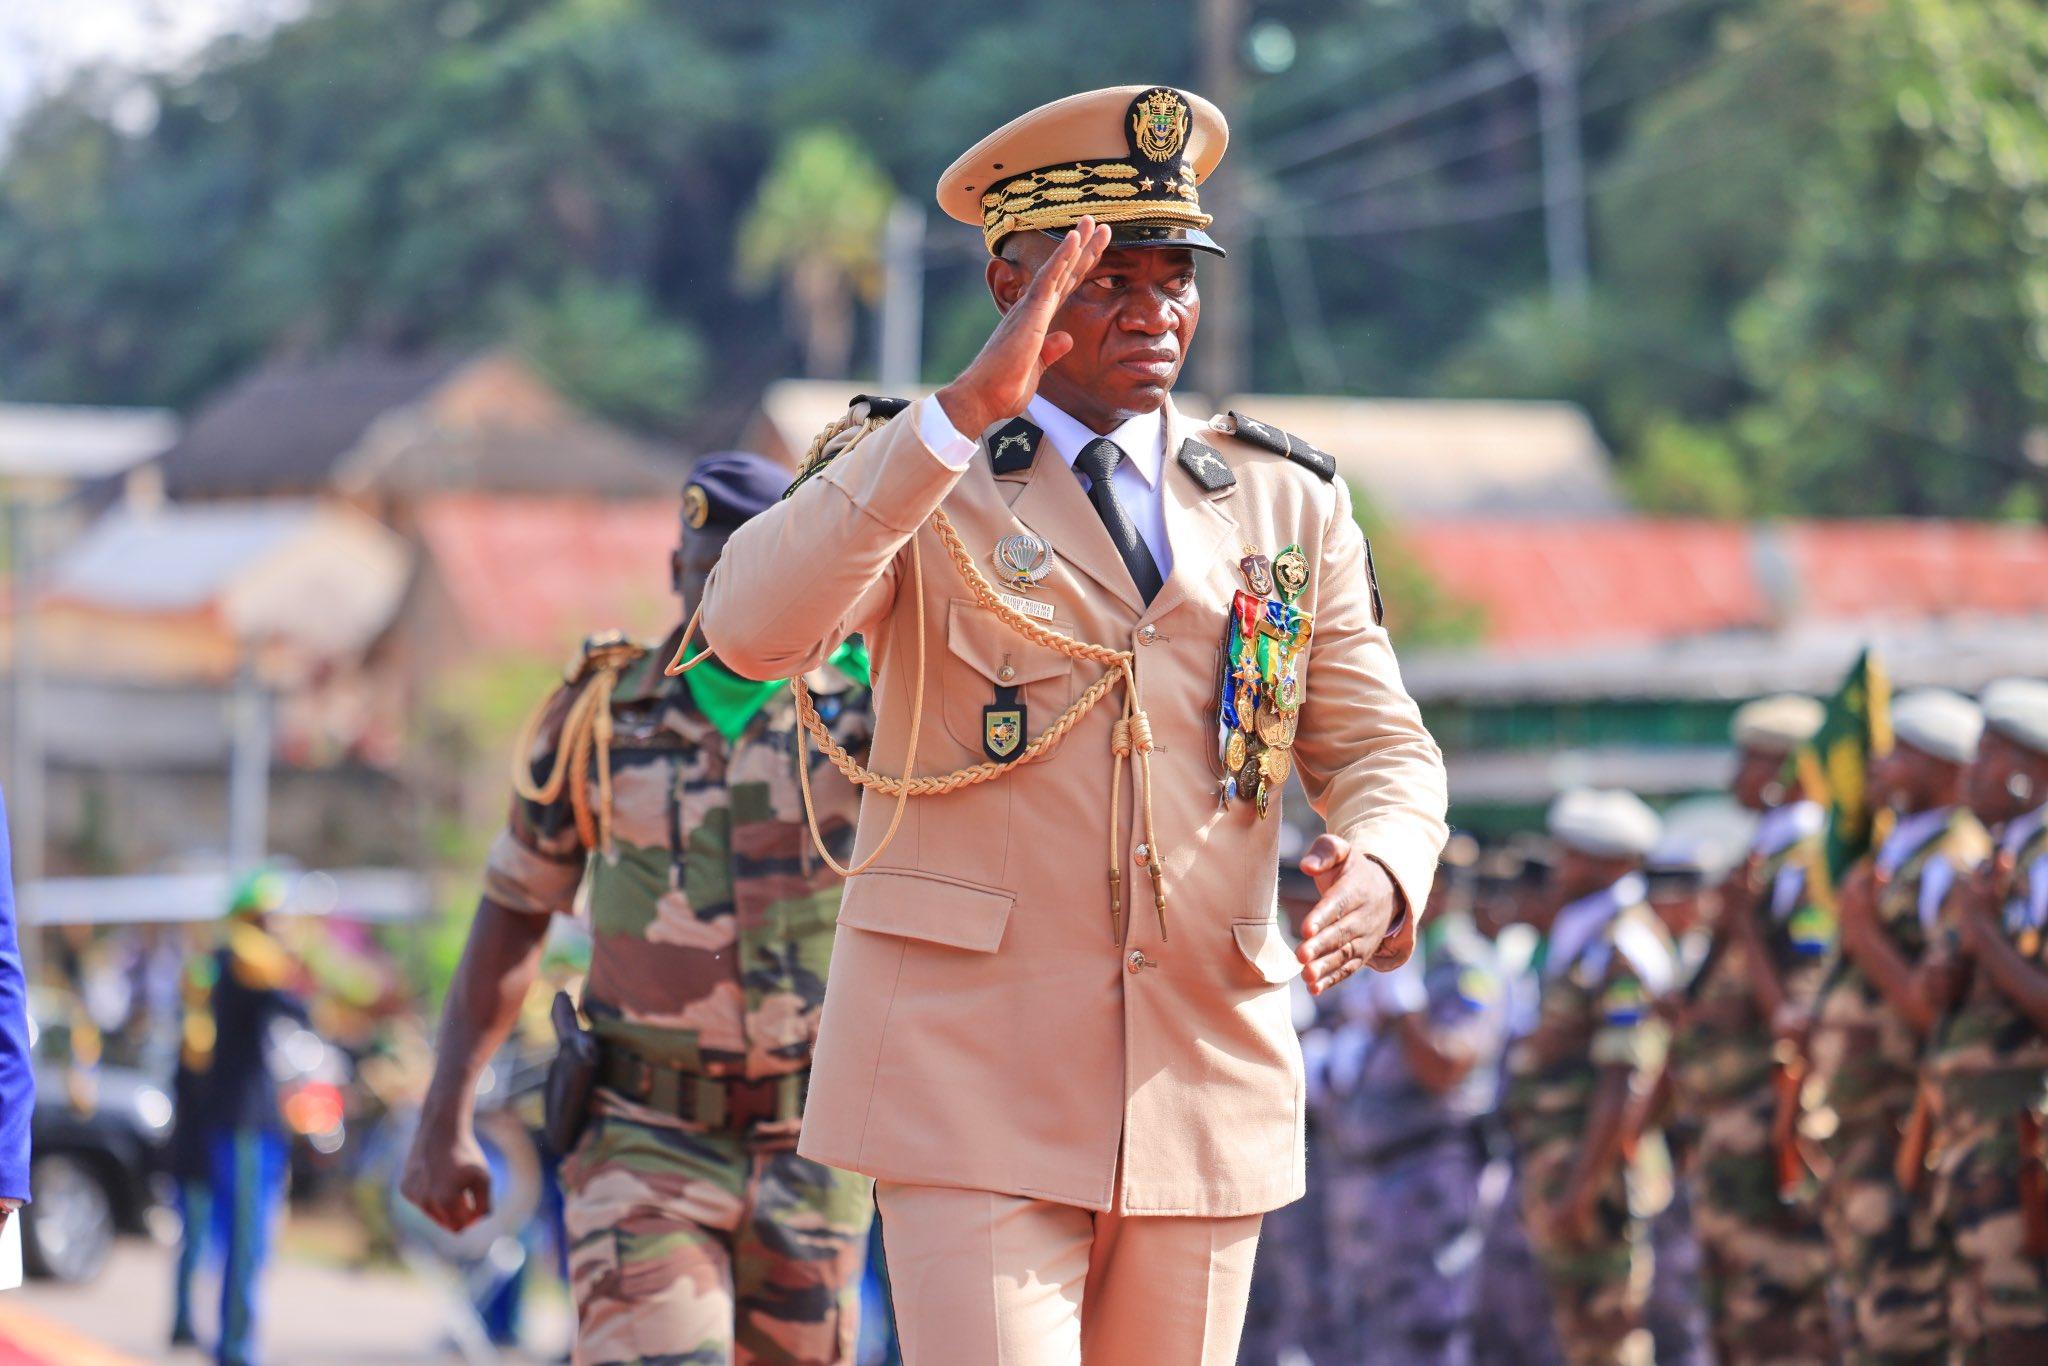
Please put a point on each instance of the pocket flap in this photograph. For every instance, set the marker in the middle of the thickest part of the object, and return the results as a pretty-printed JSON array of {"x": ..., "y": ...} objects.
[
  {"x": 985, "y": 643},
  {"x": 1266, "y": 949},
  {"x": 927, "y": 906}
]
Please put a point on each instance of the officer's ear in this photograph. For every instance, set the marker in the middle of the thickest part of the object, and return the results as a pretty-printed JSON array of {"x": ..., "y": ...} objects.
[{"x": 1011, "y": 269}]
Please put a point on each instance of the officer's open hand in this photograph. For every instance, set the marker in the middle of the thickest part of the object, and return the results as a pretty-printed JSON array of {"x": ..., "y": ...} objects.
[
  {"x": 1348, "y": 927},
  {"x": 446, "y": 1176},
  {"x": 998, "y": 383}
]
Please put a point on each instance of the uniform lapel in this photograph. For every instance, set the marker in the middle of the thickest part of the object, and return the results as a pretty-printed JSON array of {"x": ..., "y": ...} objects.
[
  {"x": 1197, "y": 521},
  {"x": 1053, "y": 505}
]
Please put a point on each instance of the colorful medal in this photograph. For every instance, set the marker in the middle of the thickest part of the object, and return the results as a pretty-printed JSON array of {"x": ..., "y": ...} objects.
[
  {"x": 1258, "y": 573},
  {"x": 1290, "y": 573}
]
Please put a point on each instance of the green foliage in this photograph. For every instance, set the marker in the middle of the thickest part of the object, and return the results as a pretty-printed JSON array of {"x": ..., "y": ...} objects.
[
  {"x": 816, "y": 226},
  {"x": 1684, "y": 470},
  {"x": 602, "y": 344},
  {"x": 1818, "y": 225}
]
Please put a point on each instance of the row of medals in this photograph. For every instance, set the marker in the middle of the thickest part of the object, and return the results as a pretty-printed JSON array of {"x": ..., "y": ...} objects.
[{"x": 1257, "y": 751}]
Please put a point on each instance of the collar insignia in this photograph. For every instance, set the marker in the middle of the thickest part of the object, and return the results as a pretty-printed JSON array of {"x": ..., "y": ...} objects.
[
  {"x": 1014, "y": 445},
  {"x": 1204, "y": 466}
]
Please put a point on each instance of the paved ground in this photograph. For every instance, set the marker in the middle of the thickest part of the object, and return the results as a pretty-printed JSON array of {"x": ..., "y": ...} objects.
[{"x": 314, "y": 1315}]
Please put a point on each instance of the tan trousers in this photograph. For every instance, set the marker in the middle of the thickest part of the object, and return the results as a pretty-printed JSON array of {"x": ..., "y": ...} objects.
[{"x": 981, "y": 1279}]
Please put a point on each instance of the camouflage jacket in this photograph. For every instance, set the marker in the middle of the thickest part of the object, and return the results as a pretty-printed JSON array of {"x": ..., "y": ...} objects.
[
  {"x": 1606, "y": 958},
  {"x": 711, "y": 919},
  {"x": 1989, "y": 1057},
  {"x": 1865, "y": 1055},
  {"x": 1724, "y": 1047}
]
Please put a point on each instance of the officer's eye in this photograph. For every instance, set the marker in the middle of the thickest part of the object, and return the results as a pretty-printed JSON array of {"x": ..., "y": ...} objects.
[
  {"x": 1182, "y": 283},
  {"x": 1108, "y": 284}
]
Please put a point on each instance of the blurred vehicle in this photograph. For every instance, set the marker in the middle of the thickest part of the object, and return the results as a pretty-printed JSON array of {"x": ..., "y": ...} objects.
[{"x": 98, "y": 1136}]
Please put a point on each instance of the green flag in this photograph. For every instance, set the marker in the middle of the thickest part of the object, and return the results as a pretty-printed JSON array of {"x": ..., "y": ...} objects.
[{"x": 1834, "y": 767}]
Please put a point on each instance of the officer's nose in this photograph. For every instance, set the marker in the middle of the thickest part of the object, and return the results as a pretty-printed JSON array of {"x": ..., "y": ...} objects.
[{"x": 1148, "y": 313}]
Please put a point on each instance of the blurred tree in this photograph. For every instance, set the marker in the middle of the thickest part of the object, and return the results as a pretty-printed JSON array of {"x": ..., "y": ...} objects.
[
  {"x": 1899, "y": 345},
  {"x": 604, "y": 344},
  {"x": 815, "y": 227}
]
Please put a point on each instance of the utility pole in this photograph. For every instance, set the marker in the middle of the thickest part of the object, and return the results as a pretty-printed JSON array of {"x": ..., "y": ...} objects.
[
  {"x": 25, "y": 780},
  {"x": 902, "y": 364},
  {"x": 1545, "y": 36},
  {"x": 248, "y": 767},
  {"x": 1223, "y": 356}
]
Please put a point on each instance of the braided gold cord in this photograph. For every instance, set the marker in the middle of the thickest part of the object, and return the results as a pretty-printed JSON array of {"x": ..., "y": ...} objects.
[
  {"x": 1130, "y": 739},
  {"x": 586, "y": 729}
]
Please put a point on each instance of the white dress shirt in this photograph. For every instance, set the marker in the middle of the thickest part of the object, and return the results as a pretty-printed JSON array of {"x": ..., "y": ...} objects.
[{"x": 1137, "y": 479}]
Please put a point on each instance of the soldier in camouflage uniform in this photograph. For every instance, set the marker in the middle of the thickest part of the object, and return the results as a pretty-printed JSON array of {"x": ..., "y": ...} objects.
[
  {"x": 1403, "y": 1088},
  {"x": 1511, "y": 1318},
  {"x": 1869, "y": 1025},
  {"x": 1989, "y": 1059},
  {"x": 1571, "y": 1079},
  {"x": 697, "y": 1234},
  {"x": 1766, "y": 1263}
]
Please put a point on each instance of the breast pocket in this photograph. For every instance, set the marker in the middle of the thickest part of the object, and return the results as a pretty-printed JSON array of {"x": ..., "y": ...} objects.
[{"x": 988, "y": 655}]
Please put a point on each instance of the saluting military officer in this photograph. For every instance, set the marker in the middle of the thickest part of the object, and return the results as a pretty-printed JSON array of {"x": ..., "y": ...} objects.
[
  {"x": 1570, "y": 1080},
  {"x": 1058, "y": 1029},
  {"x": 1989, "y": 1058},
  {"x": 1870, "y": 1023},
  {"x": 1766, "y": 1262},
  {"x": 696, "y": 1231}
]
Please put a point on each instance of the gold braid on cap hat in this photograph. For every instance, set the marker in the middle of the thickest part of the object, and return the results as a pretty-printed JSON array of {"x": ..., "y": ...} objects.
[{"x": 1152, "y": 185}]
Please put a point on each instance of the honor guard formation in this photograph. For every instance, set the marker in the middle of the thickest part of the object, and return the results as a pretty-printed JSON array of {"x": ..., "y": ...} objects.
[{"x": 1034, "y": 662}]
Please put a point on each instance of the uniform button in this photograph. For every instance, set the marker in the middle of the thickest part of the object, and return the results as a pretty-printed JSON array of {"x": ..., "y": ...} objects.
[
  {"x": 1147, "y": 634},
  {"x": 1137, "y": 962},
  {"x": 1143, "y": 854},
  {"x": 1005, "y": 674}
]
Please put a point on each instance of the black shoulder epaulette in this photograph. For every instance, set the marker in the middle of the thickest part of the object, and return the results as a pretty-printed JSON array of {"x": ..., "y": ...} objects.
[
  {"x": 879, "y": 406},
  {"x": 1281, "y": 443},
  {"x": 605, "y": 649}
]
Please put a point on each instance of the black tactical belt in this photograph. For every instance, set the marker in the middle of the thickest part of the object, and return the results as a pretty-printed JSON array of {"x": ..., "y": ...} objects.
[{"x": 712, "y": 1102}]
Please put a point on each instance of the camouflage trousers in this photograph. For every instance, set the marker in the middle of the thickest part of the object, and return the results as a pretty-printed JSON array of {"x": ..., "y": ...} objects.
[
  {"x": 1890, "y": 1302},
  {"x": 688, "y": 1247},
  {"x": 1998, "y": 1293},
  {"x": 1511, "y": 1320},
  {"x": 1598, "y": 1287},
  {"x": 1676, "y": 1311},
  {"x": 1765, "y": 1262},
  {"x": 1403, "y": 1249},
  {"x": 1290, "y": 1279}
]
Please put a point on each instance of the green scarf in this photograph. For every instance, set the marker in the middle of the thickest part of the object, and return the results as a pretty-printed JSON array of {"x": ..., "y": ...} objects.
[{"x": 729, "y": 702}]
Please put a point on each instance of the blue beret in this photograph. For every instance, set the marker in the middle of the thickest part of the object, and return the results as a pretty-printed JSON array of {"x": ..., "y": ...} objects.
[{"x": 726, "y": 489}]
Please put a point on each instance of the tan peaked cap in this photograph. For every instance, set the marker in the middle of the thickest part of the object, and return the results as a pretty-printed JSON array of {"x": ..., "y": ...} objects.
[
  {"x": 1092, "y": 153},
  {"x": 2017, "y": 708},
  {"x": 1777, "y": 725},
  {"x": 1606, "y": 823},
  {"x": 1935, "y": 721}
]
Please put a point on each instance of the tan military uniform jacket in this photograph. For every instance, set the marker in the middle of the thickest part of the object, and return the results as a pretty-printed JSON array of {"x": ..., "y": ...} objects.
[{"x": 982, "y": 1028}]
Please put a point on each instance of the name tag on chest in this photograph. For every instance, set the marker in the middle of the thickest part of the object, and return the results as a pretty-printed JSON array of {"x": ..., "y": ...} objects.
[{"x": 1037, "y": 611}]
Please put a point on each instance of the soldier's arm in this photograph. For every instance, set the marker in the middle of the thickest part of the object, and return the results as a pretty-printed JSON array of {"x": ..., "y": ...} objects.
[
  {"x": 1367, "y": 762},
  {"x": 1746, "y": 905},
  {"x": 1438, "y": 1062},
  {"x": 532, "y": 874},
  {"x": 1874, "y": 954},
  {"x": 2018, "y": 978},
  {"x": 1623, "y": 1047}
]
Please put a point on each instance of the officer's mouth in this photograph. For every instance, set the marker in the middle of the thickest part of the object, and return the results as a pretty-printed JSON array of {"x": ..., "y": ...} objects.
[{"x": 1154, "y": 364}]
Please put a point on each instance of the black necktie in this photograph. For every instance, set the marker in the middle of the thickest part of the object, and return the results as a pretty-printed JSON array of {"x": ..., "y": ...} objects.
[{"x": 1098, "y": 460}]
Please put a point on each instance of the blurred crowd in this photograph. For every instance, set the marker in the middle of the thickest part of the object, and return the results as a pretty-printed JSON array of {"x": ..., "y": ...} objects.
[{"x": 1639, "y": 1097}]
